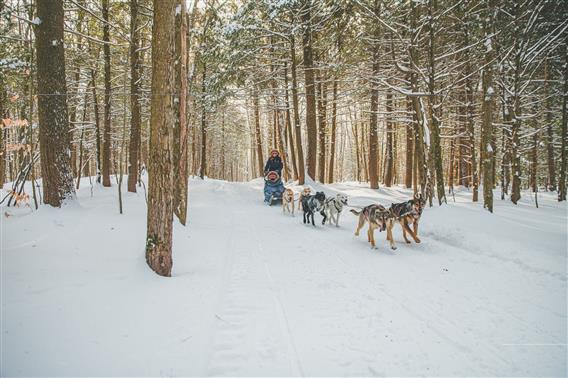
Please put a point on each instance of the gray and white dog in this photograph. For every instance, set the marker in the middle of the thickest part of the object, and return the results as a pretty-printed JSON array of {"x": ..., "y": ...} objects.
[{"x": 332, "y": 208}]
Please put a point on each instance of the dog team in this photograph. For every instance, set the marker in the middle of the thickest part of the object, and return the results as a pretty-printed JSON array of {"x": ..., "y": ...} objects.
[{"x": 376, "y": 216}]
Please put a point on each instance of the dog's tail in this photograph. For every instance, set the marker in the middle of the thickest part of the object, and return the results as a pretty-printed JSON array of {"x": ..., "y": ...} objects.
[{"x": 355, "y": 212}]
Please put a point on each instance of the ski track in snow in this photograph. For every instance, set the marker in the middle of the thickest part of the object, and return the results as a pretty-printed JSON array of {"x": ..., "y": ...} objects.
[{"x": 255, "y": 292}]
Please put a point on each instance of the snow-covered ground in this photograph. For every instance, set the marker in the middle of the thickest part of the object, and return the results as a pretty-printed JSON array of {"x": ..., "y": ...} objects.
[{"x": 255, "y": 292}]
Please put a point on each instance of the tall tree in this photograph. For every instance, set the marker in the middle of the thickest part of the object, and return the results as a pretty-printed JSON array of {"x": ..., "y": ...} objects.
[
  {"x": 564, "y": 130},
  {"x": 52, "y": 104},
  {"x": 160, "y": 183},
  {"x": 135, "y": 109},
  {"x": 107, "y": 115},
  {"x": 297, "y": 125},
  {"x": 311, "y": 122},
  {"x": 373, "y": 122},
  {"x": 180, "y": 126},
  {"x": 487, "y": 148}
]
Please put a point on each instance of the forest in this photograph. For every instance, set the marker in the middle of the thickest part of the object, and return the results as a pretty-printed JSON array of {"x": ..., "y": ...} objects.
[
  {"x": 426, "y": 94},
  {"x": 136, "y": 133}
]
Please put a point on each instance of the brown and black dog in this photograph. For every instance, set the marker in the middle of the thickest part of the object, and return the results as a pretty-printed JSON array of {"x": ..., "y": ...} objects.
[
  {"x": 378, "y": 217},
  {"x": 409, "y": 213}
]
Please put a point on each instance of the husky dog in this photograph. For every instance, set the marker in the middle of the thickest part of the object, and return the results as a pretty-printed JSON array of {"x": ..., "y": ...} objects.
[
  {"x": 305, "y": 192},
  {"x": 407, "y": 213},
  {"x": 288, "y": 201},
  {"x": 332, "y": 208},
  {"x": 377, "y": 216},
  {"x": 312, "y": 204}
]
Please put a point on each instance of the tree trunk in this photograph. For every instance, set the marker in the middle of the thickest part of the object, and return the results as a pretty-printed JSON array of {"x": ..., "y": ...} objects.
[
  {"x": 180, "y": 125},
  {"x": 289, "y": 132},
  {"x": 488, "y": 149},
  {"x": 409, "y": 148},
  {"x": 551, "y": 170},
  {"x": 3, "y": 115},
  {"x": 435, "y": 147},
  {"x": 330, "y": 172},
  {"x": 135, "y": 109},
  {"x": 564, "y": 132},
  {"x": 373, "y": 122},
  {"x": 311, "y": 123},
  {"x": 97, "y": 126},
  {"x": 297, "y": 126},
  {"x": 322, "y": 115},
  {"x": 203, "y": 165},
  {"x": 107, "y": 115},
  {"x": 52, "y": 110},
  {"x": 160, "y": 193},
  {"x": 257, "y": 134},
  {"x": 389, "y": 163}
]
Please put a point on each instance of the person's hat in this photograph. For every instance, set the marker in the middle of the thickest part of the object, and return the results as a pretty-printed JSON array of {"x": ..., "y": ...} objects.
[{"x": 274, "y": 150}]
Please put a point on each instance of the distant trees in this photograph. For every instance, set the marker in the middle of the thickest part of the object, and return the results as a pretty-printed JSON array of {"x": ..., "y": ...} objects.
[{"x": 431, "y": 94}]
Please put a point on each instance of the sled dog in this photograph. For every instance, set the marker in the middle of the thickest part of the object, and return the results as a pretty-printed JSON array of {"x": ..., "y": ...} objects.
[
  {"x": 407, "y": 213},
  {"x": 288, "y": 201},
  {"x": 312, "y": 204},
  {"x": 378, "y": 217},
  {"x": 305, "y": 192},
  {"x": 332, "y": 208}
]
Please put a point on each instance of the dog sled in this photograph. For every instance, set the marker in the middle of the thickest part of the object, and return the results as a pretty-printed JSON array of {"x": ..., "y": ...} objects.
[{"x": 273, "y": 188}]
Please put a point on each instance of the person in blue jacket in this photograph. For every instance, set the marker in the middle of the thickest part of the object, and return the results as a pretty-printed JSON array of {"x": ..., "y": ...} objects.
[
  {"x": 274, "y": 163},
  {"x": 273, "y": 185}
]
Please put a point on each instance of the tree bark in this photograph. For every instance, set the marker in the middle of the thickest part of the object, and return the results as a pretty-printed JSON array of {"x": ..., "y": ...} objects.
[
  {"x": 373, "y": 122},
  {"x": 311, "y": 123},
  {"x": 330, "y": 172},
  {"x": 488, "y": 149},
  {"x": 203, "y": 165},
  {"x": 409, "y": 148},
  {"x": 297, "y": 126},
  {"x": 289, "y": 132},
  {"x": 135, "y": 108},
  {"x": 435, "y": 147},
  {"x": 180, "y": 125},
  {"x": 551, "y": 169},
  {"x": 52, "y": 108},
  {"x": 389, "y": 163},
  {"x": 160, "y": 193},
  {"x": 257, "y": 134},
  {"x": 107, "y": 115},
  {"x": 322, "y": 116},
  {"x": 564, "y": 132}
]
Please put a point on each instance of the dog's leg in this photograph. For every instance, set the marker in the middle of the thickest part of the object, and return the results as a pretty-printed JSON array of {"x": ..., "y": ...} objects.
[
  {"x": 324, "y": 215},
  {"x": 304, "y": 217},
  {"x": 313, "y": 221},
  {"x": 372, "y": 237},
  {"x": 402, "y": 222},
  {"x": 337, "y": 219},
  {"x": 360, "y": 225},
  {"x": 407, "y": 227},
  {"x": 415, "y": 226},
  {"x": 390, "y": 226},
  {"x": 292, "y": 206}
]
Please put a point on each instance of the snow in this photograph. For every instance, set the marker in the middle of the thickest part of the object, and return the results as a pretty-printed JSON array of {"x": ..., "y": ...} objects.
[
  {"x": 178, "y": 9},
  {"x": 36, "y": 21},
  {"x": 255, "y": 292},
  {"x": 487, "y": 44}
]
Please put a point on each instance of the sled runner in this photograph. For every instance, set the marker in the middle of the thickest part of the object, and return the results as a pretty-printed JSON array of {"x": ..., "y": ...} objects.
[{"x": 273, "y": 188}]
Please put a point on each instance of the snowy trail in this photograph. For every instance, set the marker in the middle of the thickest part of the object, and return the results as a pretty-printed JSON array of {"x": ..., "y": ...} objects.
[{"x": 255, "y": 292}]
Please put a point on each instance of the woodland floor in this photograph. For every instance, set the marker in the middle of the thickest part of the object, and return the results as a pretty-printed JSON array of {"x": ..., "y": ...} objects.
[{"x": 256, "y": 292}]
